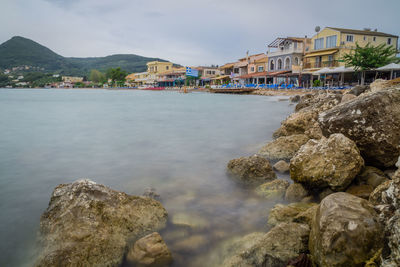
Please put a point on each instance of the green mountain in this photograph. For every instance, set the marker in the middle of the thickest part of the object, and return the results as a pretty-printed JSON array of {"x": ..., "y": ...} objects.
[{"x": 19, "y": 51}]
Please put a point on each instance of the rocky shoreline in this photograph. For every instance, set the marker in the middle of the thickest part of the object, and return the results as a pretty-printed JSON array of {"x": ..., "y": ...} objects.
[
  {"x": 341, "y": 206},
  {"x": 342, "y": 150}
]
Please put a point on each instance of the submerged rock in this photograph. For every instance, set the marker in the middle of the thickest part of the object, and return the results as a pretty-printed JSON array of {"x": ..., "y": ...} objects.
[
  {"x": 190, "y": 244},
  {"x": 372, "y": 121},
  {"x": 286, "y": 213},
  {"x": 274, "y": 190},
  {"x": 190, "y": 220},
  {"x": 283, "y": 148},
  {"x": 88, "y": 224},
  {"x": 150, "y": 250},
  {"x": 274, "y": 249},
  {"x": 345, "y": 231},
  {"x": 330, "y": 162},
  {"x": 295, "y": 193},
  {"x": 281, "y": 166},
  {"x": 253, "y": 170}
]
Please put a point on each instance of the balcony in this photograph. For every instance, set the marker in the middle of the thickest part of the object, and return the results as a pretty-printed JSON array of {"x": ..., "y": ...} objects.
[{"x": 323, "y": 64}]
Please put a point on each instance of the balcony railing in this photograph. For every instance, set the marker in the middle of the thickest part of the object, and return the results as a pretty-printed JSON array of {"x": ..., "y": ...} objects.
[{"x": 323, "y": 64}]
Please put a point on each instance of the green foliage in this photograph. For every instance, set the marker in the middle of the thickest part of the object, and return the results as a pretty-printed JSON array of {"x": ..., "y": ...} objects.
[
  {"x": 4, "y": 81},
  {"x": 317, "y": 83},
  {"x": 79, "y": 85},
  {"x": 39, "y": 79},
  {"x": 117, "y": 76},
  {"x": 97, "y": 77},
  {"x": 370, "y": 57},
  {"x": 19, "y": 51}
]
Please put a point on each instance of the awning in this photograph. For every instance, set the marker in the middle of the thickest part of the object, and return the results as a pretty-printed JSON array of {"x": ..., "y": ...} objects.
[
  {"x": 241, "y": 64},
  {"x": 391, "y": 66},
  {"x": 220, "y": 77},
  {"x": 324, "y": 53}
]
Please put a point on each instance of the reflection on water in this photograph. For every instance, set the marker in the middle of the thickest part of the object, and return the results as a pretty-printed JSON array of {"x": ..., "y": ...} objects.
[{"x": 178, "y": 144}]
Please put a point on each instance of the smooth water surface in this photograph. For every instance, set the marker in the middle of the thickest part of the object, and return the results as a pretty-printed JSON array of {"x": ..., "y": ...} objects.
[{"x": 177, "y": 143}]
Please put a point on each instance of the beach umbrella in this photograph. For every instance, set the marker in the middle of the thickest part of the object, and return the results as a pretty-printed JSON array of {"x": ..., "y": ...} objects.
[
  {"x": 321, "y": 71},
  {"x": 390, "y": 67}
]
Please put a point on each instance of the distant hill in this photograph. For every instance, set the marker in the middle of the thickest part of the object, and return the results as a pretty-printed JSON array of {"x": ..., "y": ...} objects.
[{"x": 19, "y": 51}]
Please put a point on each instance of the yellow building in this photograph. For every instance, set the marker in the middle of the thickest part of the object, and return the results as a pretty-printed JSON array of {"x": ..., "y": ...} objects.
[
  {"x": 155, "y": 67},
  {"x": 328, "y": 46}
]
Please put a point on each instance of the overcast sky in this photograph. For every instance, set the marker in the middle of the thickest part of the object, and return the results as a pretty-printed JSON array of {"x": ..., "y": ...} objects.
[{"x": 186, "y": 32}]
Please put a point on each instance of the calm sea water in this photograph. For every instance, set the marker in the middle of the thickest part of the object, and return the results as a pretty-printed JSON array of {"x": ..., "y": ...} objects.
[{"x": 178, "y": 144}]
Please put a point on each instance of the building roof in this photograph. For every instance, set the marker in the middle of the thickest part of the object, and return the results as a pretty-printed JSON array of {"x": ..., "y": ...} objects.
[
  {"x": 363, "y": 32},
  {"x": 251, "y": 56},
  {"x": 227, "y": 66},
  {"x": 280, "y": 40}
]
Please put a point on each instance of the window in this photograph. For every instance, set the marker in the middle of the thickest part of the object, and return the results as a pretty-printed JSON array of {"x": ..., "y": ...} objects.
[
  {"x": 349, "y": 38},
  {"x": 236, "y": 70},
  {"x": 295, "y": 45},
  {"x": 279, "y": 64},
  {"x": 330, "y": 58},
  {"x": 331, "y": 41},
  {"x": 252, "y": 69},
  {"x": 167, "y": 67},
  {"x": 365, "y": 38},
  {"x": 287, "y": 63},
  {"x": 389, "y": 42},
  {"x": 374, "y": 38},
  {"x": 271, "y": 65},
  {"x": 319, "y": 43},
  {"x": 260, "y": 68}
]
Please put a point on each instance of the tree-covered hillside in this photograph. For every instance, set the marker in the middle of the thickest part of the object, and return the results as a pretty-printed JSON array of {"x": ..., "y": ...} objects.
[{"x": 19, "y": 51}]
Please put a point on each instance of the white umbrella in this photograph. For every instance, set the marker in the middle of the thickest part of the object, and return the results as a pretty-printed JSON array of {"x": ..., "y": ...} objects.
[
  {"x": 390, "y": 67},
  {"x": 341, "y": 69},
  {"x": 321, "y": 71}
]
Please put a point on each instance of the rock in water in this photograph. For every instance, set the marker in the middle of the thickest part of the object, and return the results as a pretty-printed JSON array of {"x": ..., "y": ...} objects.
[
  {"x": 150, "y": 250},
  {"x": 286, "y": 213},
  {"x": 372, "y": 121},
  {"x": 274, "y": 190},
  {"x": 253, "y": 170},
  {"x": 281, "y": 166},
  {"x": 295, "y": 193},
  {"x": 345, "y": 231},
  {"x": 275, "y": 249},
  {"x": 330, "y": 162},
  {"x": 283, "y": 148},
  {"x": 88, "y": 224}
]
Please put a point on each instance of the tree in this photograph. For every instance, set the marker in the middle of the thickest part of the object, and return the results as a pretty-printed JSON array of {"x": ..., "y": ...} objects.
[
  {"x": 117, "y": 75},
  {"x": 96, "y": 76},
  {"x": 370, "y": 57}
]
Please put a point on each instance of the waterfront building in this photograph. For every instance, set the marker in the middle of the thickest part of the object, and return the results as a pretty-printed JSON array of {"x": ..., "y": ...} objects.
[
  {"x": 172, "y": 78},
  {"x": 330, "y": 45},
  {"x": 285, "y": 56}
]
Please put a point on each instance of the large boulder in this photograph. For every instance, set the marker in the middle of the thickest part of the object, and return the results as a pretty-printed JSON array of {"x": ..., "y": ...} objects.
[
  {"x": 370, "y": 120},
  {"x": 274, "y": 190},
  {"x": 297, "y": 123},
  {"x": 281, "y": 166},
  {"x": 88, "y": 224},
  {"x": 276, "y": 248},
  {"x": 345, "y": 231},
  {"x": 283, "y": 148},
  {"x": 252, "y": 171},
  {"x": 319, "y": 101},
  {"x": 330, "y": 162},
  {"x": 151, "y": 251},
  {"x": 390, "y": 217}
]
